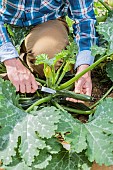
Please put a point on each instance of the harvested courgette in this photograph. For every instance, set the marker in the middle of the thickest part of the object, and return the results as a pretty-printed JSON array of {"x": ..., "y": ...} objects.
[{"x": 74, "y": 95}]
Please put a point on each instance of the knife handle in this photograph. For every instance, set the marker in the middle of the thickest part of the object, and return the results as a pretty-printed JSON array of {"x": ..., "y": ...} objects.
[{"x": 39, "y": 87}]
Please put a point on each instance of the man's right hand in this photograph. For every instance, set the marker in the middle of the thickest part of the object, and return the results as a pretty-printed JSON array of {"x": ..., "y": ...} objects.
[{"x": 20, "y": 76}]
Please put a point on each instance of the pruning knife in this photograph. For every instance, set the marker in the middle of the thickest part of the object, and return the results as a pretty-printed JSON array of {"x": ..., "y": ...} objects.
[{"x": 46, "y": 89}]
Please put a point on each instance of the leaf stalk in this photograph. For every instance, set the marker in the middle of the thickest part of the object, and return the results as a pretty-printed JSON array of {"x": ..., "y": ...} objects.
[
  {"x": 78, "y": 111},
  {"x": 76, "y": 77},
  {"x": 43, "y": 100},
  {"x": 104, "y": 96}
]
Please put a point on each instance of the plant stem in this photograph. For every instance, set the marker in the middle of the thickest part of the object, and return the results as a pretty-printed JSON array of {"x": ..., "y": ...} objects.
[
  {"x": 40, "y": 81},
  {"x": 48, "y": 82},
  {"x": 63, "y": 73},
  {"x": 105, "y": 5},
  {"x": 58, "y": 106},
  {"x": 104, "y": 96},
  {"x": 65, "y": 85},
  {"x": 53, "y": 75},
  {"x": 58, "y": 72},
  {"x": 43, "y": 100},
  {"x": 78, "y": 111},
  {"x": 70, "y": 87},
  {"x": 25, "y": 98}
]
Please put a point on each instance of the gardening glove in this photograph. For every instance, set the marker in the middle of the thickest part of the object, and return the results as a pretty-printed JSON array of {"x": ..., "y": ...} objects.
[
  {"x": 20, "y": 76},
  {"x": 84, "y": 84}
]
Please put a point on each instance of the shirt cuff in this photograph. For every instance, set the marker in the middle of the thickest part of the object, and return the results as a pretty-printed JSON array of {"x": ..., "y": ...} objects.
[
  {"x": 84, "y": 57},
  {"x": 7, "y": 51}
]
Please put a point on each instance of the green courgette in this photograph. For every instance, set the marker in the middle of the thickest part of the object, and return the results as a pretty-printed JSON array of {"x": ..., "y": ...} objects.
[
  {"x": 74, "y": 105},
  {"x": 73, "y": 95}
]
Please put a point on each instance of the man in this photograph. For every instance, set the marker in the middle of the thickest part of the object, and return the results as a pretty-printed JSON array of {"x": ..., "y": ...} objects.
[{"x": 49, "y": 35}]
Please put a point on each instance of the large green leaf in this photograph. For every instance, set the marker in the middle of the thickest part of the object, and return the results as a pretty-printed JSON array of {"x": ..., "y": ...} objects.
[
  {"x": 69, "y": 161},
  {"x": 31, "y": 129},
  {"x": 17, "y": 34},
  {"x": 64, "y": 160},
  {"x": 76, "y": 135},
  {"x": 109, "y": 70},
  {"x": 53, "y": 146},
  {"x": 46, "y": 120},
  {"x": 9, "y": 92},
  {"x": 20, "y": 166},
  {"x": 10, "y": 115},
  {"x": 95, "y": 137},
  {"x": 15, "y": 123},
  {"x": 30, "y": 138},
  {"x": 42, "y": 161},
  {"x": 95, "y": 50},
  {"x": 106, "y": 30},
  {"x": 100, "y": 134}
]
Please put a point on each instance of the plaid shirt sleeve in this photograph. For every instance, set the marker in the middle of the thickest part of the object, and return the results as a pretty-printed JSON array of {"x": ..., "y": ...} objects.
[
  {"x": 81, "y": 11},
  {"x": 3, "y": 33},
  {"x": 7, "y": 50}
]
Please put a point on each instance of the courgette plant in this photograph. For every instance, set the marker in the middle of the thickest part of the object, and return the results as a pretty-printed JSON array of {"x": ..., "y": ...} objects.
[
  {"x": 55, "y": 77},
  {"x": 46, "y": 136}
]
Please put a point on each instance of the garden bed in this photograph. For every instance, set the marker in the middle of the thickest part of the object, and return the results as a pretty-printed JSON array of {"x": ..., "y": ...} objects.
[{"x": 44, "y": 135}]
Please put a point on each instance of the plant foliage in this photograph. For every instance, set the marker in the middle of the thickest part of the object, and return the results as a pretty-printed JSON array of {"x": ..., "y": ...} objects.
[
  {"x": 37, "y": 140},
  {"x": 30, "y": 141}
]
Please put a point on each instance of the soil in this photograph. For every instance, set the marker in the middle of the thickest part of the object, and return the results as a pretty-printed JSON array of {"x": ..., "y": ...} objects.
[
  {"x": 100, "y": 88},
  {"x": 103, "y": 167}
]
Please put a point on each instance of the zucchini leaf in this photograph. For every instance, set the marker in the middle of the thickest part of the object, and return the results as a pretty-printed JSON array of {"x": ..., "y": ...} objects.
[
  {"x": 20, "y": 166},
  {"x": 95, "y": 50},
  {"x": 69, "y": 161},
  {"x": 106, "y": 30},
  {"x": 32, "y": 129},
  {"x": 67, "y": 54},
  {"x": 31, "y": 140},
  {"x": 109, "y": 70},
  {"x": 100, "y": 134},
  {"x": 95, "y": 136},
  {"x": 16, "y": 123},
  {"x": 17, "y": 34}
]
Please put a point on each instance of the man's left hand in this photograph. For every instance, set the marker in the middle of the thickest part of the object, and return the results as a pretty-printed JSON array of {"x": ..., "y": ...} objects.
[{"x": 84, "y": 84}]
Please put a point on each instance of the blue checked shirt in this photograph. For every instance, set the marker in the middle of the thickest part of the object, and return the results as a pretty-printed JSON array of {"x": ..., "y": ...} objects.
[{"x": 24, "y": 13}]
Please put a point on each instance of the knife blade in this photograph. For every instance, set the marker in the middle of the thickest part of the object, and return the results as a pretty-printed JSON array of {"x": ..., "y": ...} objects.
[{"x": 46, "y": 89}]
